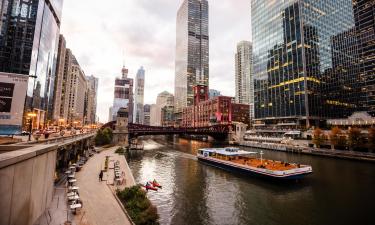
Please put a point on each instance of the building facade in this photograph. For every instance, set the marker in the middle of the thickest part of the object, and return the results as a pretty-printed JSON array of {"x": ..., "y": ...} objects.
[
  {"x": 192, "y": 52},
  {"x": 59, "y": 81},
  {"x": 297, "y": 60},
  {"x": 77, "y": 94},
  {"x": 123, "y": 95},
  {"x": 29, "y": 35},
  {"x": 364, "y": 15},
  {"x": 219, "y": 110},
  {"x": 164, "y": 100},
  {"x": 155, "y": 115},
  {"x": 146, "y": 114},
  {"x": 91, "y": 99},
  {"x": 139, "y": 91},
  {"x": 167, "y": 116},
  {"x": 243, "y": 62}
]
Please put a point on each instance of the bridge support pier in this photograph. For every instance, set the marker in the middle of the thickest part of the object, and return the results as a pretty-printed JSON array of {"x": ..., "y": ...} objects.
[
  {"x": 236, "y": 136},
  {"x": 121, "y": 133}
]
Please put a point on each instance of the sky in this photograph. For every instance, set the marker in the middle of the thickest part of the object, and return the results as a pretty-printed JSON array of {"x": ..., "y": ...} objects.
[{"x": 104, "y": 35}]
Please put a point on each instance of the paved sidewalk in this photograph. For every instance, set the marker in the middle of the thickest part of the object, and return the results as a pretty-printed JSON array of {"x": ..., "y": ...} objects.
[
  {"x": 99, "y": 204},
  {"x": 57, "y": 214}
]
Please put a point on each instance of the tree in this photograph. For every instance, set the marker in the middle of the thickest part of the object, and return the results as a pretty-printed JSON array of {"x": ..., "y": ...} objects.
[
  {"x": 354, "y": 138},
  {"x": 318, "y": 137},
  {"x": 103, "y": 137},
  {"x": 334, "y": 137},
  {"x": 371, "y": 138}
]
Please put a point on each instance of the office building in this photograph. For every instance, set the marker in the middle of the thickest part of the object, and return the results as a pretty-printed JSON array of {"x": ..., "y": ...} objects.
[
  {"x": 243, "y": 62},
  {"x": 123, "y": 94},
  {"x": 192, "y": 52},
  {"x": 155, "y": 115},
  {"x": 297, "y": 58},
  {"x": 59, "y": 90},
  {"x": 163, "y": 100},
  {"x": 216, "y": 111},
  {"x": 364, "y": 15},
  {"x": 29, "y": 34},
  {"x": 91, "y": 99},
  {"x": 146, "y": 114},
  {"x": 77, "y": 94},
  {"x": 139, "y": 96}
]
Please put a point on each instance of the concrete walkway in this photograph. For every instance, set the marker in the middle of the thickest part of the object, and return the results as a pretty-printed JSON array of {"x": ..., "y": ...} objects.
[
  {"x": 57, "y": 213},
  {"x": 99, "y": 203}
]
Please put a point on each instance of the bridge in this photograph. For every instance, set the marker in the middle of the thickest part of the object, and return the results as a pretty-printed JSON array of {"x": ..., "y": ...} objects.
[{"x": 219, "y": 132}]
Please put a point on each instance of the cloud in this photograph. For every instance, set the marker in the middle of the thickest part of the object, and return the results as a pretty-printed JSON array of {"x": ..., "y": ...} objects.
[{"x": 99, "y": 33}]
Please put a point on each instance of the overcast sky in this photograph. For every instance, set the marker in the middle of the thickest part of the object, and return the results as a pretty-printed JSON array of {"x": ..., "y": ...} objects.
[{"x": 104, "y": 34}]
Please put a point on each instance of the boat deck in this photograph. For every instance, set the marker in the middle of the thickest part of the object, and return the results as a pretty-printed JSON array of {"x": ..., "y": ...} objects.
[{"x": 265, "y": 164}]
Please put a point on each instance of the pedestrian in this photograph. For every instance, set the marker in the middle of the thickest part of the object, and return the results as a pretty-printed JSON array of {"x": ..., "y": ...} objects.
[{"x": 101, "y": 175}]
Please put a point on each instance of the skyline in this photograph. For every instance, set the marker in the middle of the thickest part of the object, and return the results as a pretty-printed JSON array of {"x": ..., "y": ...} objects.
[{"x": 83, "y": 28}]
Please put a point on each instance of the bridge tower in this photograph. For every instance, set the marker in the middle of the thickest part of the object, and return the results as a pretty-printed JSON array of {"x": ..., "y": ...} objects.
[
  {"x": 121, "y": 132},
  {"x": 236, "y": 136}
]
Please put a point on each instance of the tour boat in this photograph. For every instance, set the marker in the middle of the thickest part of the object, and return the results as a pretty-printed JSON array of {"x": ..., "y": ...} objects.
[{"x": 246, "y": 162}]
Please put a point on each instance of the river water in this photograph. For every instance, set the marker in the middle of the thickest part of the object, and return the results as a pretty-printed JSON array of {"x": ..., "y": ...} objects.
[{"x": 338, "y": 192}]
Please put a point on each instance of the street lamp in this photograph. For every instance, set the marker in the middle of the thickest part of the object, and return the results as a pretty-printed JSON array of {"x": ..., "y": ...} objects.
[{"x": 31, "y": 115}]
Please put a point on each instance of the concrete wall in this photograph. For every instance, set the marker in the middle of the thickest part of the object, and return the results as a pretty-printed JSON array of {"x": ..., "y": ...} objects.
[{"x": 26, "y": 184}]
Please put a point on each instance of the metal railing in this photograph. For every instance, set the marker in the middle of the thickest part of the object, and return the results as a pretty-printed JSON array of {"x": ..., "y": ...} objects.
[{"x": 63, "y": 139}]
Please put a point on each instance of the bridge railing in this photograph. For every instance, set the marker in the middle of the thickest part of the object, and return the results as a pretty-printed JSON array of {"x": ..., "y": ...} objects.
[{"x": 62, "y": 139}]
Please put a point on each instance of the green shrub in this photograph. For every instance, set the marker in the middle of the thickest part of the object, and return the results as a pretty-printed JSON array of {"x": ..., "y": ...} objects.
[
  {"x": 138, "y": 206},
  {"x": 120, "y": 150},
  {"x": 103, "y": 137}
]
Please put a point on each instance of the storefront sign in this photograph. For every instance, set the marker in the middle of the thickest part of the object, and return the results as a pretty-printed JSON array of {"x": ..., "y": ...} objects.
[{"x": 12, "y": 100}]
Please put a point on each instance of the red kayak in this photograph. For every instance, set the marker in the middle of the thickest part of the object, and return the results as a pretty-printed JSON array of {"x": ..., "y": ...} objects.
[
  {"x": 149, "y": 187},
  {"x": 155, "y": 184}
]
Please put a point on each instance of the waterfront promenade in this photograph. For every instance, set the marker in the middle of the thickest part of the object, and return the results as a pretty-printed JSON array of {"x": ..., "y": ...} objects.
[{"x": 99, "y": 203}]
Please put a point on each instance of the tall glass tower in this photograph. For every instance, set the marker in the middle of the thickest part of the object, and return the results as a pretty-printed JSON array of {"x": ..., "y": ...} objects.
[
  {"x": 29, "y": 37},
  {"x": 306, "y": 67},
  {"x": 244, "y": 78},
  {"x": 364, "y": 14},
  {"x": 139, "y": 93},
  {"x": 192, "y": 49}
]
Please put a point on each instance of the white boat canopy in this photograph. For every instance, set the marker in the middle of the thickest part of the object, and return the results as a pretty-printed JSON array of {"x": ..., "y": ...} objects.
[{"x": 230, "y": 151}]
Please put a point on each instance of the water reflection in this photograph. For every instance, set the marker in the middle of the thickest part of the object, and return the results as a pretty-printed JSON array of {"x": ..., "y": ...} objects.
[{"x": 195, "y": 193}]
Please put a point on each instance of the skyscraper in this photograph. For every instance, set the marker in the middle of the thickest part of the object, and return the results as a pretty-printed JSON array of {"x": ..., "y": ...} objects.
[
  {"x": 146, "y": 114},
  {"x": 297, "y": 59},
  {"x": 139, "y": 96},
  {"x": 364, "y": 14},
  {"x": 244, "y": 75},
  {"x": 243, "y": 61},
  {"x": 78, "y": 87},
  {"x": 192, "y": 51},
  {"x": 29, "y": 34},
  {"x": 123, "y": 95},
  {"x": 59, "y": 82},
  {"x": 91, "y": 93}
]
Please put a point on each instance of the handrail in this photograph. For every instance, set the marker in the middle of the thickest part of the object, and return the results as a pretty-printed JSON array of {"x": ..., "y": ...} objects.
[{"x": 63, "y": 138}]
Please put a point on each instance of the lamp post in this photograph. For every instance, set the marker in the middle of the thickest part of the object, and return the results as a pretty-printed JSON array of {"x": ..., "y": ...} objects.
[{"x": 31, "y": 115}]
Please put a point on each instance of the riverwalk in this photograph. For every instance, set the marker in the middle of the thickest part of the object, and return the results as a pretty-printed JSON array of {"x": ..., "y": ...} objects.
[{"x": 99, "y": 203}]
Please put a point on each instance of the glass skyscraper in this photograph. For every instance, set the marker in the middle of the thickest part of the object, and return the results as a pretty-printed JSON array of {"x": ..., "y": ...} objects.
[
  {"x": 192, "y": 50},
  {"x": 364, "y": 14},
  {"x": 139, "y": 92},
  {"x": 29, "y": 35},
  {"x": 306, "y": 66}
]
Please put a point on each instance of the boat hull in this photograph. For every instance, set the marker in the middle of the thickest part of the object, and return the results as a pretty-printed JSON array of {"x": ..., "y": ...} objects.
[{"x": 250, "y": 172}]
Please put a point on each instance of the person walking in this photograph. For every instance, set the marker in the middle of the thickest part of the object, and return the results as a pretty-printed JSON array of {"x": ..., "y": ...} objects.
[{"x": 101, "y": 175}]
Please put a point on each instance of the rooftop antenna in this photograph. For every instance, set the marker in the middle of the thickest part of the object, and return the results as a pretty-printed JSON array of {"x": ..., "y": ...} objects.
[{"x": 124, "y": 71}]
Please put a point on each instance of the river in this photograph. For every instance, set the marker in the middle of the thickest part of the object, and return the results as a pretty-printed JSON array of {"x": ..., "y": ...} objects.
[{"x": 338, "y": 192}]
